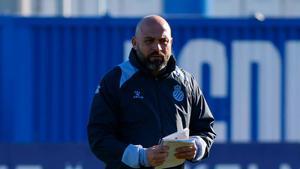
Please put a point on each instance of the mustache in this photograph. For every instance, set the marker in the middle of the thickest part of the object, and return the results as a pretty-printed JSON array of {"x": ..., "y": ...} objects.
[{"x": 155, "y": 54}]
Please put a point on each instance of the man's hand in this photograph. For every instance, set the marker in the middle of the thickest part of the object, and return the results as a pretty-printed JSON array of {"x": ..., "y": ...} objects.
[
  {"x": 157, "y": 154},
  {"x": 187, "y": 152}
]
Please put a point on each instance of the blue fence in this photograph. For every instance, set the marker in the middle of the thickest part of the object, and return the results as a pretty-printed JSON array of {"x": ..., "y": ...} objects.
[
  {"x": 50, "y": 67},
  {"x": 49, "y": 70},
  {"x": 248, "y": 70},
  {"x": 75, "y": 156}
]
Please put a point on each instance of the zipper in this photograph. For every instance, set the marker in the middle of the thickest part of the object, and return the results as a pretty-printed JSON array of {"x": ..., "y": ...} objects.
[{"x": 157, "y": 91}]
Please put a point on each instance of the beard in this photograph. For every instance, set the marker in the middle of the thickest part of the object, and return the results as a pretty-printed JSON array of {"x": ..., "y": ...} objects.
[{"x": 155, "y": 61}]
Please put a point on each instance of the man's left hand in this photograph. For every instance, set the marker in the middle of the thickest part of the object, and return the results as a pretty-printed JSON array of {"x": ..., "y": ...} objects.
[{"x": 186, "y": 152}]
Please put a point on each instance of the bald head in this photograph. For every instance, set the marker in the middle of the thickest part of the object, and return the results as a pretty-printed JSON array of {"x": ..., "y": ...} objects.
[
  {"x": 153, "y": 42},
  {"x": 150, "y": 22}
]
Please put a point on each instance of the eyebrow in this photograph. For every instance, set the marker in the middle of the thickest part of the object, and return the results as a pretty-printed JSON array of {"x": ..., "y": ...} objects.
[{"x": 149, "y": 37}]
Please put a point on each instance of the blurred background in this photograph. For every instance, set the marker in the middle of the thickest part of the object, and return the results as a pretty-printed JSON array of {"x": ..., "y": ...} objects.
[
  {"x": 244, "y": 54},
  {"x": 137, "y": 8}
]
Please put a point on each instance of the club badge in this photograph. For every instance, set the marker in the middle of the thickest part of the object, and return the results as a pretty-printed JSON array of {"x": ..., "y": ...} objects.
[{"x": 178, "y": 93}]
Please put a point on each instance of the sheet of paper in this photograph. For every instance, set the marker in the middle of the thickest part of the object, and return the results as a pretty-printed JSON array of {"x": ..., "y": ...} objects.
[
  {"x": 175, "y": 140},
  {"x": 171, "y": 160},
  {"x": 182, "y": 134}
]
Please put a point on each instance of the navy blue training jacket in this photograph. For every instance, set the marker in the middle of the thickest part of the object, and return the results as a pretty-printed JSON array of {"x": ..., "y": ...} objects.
[{"x": 131, "y": 106}]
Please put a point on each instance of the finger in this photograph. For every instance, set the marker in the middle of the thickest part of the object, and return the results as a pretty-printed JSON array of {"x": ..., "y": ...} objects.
[
  {"x": 185, "y": 155},
  {"x": 185, "y": 149},
  {"x": 163, "y": 148},
  {"x": 155, "y": 163},
  {"x": 158, "y": 162},
  {"x": 159, "y": 156}
]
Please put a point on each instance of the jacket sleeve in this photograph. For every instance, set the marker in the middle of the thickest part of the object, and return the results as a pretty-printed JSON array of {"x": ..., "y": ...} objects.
[
  {"x": 102, "y": 125},
  {"x": 202, "y": 120}
]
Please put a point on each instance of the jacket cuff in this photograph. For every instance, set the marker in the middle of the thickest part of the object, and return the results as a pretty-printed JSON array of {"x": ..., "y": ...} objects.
[
  {"x": 143, "y": 157},
  {"x": 131, "y": 156},
  {"x": 201, "y": 147}
]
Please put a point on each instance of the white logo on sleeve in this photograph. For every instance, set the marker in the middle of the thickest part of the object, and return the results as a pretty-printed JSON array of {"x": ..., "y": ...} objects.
[
  {"x": 178, "y": 93},
  {"x": 137, "y": 94}
]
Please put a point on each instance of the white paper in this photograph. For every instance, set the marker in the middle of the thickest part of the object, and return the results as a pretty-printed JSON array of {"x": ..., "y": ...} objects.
[
  {"x": 173, "y": 141},
  {"x": 181, "y": 134}
]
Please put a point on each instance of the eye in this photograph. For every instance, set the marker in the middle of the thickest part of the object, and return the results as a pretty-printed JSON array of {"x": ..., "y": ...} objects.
[
  {"x": 148, "y": 41},
  {"x": 164, "y": 41}
]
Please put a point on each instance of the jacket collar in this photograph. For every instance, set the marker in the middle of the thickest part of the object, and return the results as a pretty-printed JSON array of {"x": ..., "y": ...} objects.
[{"x": 165, "y": 72}]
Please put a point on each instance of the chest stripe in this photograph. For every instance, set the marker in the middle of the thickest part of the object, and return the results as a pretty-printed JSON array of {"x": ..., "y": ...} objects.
[{"x": 128, "y": 70}]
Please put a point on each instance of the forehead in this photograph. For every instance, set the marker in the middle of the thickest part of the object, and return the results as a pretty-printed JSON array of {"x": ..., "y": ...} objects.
[{"x": 155, "y": 31}]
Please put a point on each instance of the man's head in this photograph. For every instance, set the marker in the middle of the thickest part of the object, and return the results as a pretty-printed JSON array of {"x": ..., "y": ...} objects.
[{"x": 153, "y": 42}]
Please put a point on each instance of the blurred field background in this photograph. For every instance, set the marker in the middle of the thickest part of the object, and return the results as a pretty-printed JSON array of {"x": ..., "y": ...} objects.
[{"x": 244, "y": 54}]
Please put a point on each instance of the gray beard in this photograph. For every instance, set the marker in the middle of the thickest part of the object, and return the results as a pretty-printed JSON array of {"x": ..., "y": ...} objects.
[{"x": 154, "y": 65}]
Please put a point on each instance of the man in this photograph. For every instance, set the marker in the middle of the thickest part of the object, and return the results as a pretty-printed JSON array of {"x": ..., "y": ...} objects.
[{"x": 144, "y": 99}]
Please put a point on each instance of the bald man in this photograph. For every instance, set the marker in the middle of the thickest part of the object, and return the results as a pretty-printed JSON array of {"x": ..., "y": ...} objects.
[{"x": 145, "y": 99}]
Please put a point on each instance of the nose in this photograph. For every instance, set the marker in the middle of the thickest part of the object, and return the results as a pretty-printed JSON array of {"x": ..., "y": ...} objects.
[{"x": 157, "y": 47}]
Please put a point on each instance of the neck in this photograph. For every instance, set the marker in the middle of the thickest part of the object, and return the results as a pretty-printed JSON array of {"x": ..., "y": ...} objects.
[{"x": 155, "y": 73}]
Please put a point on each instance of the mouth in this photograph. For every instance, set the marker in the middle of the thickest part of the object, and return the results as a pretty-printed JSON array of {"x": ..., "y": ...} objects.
[
  {"x": 156, "y": 55},
  {"x": 156, "y": 58}
]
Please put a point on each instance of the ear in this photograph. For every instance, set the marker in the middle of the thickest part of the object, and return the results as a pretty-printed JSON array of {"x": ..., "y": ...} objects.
[{"x": 133, "y": 42}]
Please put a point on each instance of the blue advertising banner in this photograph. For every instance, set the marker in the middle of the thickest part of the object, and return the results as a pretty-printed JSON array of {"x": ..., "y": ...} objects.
[
  {"x": 248, "y": 70},
  {"x": 47, "y": 156},
  {"x": 252, "y": 156},
  {"x": 78, "y": 156}
]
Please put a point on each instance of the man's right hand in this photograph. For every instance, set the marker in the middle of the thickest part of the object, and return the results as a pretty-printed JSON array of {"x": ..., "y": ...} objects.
[{"x": 157, "y": 154}]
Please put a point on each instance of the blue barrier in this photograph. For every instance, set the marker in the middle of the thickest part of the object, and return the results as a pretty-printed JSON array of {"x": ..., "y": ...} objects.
[
  {"x": 50, "y": 68},
  {"x": 47, "y": 156},
  {"x": 78, "y": 156}
]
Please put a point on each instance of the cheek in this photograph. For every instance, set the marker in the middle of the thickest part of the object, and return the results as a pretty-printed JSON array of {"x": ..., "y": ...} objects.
[
  {"x": 145, "y": 50},
  {"x": 167, "y": 49}
]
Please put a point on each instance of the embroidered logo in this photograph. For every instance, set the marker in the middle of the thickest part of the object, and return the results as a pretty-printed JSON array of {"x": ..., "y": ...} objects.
[
  {"x": 178, "y": 93},
  {"x": 137, "y": 94}
]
